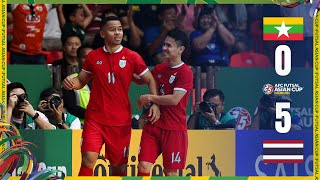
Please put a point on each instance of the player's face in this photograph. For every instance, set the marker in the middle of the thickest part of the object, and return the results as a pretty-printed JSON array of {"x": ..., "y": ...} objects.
[
  {"x": 219, "y": 104},
  {"x": 71, "y": 46},
  {"x": 112, "y": 32},
  {"x": 170, "y": 49}
]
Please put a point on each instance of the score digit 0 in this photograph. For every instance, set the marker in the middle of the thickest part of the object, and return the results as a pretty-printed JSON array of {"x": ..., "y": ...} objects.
[{"x": 283, "y": 68}]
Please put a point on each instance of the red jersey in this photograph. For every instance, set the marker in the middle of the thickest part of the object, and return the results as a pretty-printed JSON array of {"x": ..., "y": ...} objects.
[
  {"x": 28, "y": 28},
  {"x": 111, "y": 77},
  {"x": 169, "y": 79}
]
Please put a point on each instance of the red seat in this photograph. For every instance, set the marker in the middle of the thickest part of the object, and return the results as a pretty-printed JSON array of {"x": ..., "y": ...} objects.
[
  {"x": 8, "y": 57},
  {"x": 249, "y": 59},
  {"x": 52, "y": 56}
]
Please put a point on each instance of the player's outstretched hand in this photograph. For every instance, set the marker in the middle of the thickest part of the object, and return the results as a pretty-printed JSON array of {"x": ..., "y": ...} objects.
[
  {"x": 154, "y": 113},
  {"x": 68, "y": 83}
]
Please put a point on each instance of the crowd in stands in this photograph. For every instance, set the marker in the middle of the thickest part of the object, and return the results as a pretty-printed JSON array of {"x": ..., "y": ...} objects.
[{"x": 62, "y": 35}]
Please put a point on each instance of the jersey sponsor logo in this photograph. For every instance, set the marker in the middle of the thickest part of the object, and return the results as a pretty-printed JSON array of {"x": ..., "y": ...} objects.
[
  {"x": 33, "y": 29},
  {"x": 33, "y": 19},
  {"x": 122, "y": 63}
]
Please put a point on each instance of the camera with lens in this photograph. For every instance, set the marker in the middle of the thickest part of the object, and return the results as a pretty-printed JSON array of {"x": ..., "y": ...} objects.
[
  {"x": 21, "y": 98},
  {"x": 207, "y": 106},
  {"x": 55, "y": 100},
  {"x": 267, "y": 101}
]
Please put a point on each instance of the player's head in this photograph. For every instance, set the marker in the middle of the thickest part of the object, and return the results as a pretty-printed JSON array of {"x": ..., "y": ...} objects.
[
  {"x": 111, "y": 30},
  {"x": 216, "y": 97},
  {"x": 74, "y": 14},
  {"x": 174, "y": 45},
  {"x": 70, "y": 45}
]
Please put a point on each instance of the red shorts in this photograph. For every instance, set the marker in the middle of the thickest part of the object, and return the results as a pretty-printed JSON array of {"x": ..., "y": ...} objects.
[
  {"x": 115, "y": 138},
  {"x": 173, "y": 144}
]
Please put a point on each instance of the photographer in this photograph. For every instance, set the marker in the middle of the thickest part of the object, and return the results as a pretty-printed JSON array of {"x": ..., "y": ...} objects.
[
  {"x": 51, "y": 105},
  {"x": 21, "y": 112},
  {"x": 208, "y": 114},
  {"x": 265, "y": 115}
]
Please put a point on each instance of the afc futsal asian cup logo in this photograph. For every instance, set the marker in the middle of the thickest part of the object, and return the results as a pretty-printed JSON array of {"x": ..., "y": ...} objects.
[
  {"x": 268, "y": 89},
  {"x": 290, "y": 3},
  {"x": 281, "y": 88}
]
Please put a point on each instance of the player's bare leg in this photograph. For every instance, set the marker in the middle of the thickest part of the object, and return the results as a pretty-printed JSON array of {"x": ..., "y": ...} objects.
[
  {"x": 144, "y": 168},
  {"x": 118, "y": 170},
  {"x": 88, "y": 161},
  {"x": 169, "y": 172}
]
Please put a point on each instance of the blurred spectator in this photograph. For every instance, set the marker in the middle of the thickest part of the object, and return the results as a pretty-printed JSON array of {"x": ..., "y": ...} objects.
[
  {"x": 76, "y": 101},
  {"x": 211, "y": 40},
  {"x": 234, "y": 17},
  {"x": 51, "y": 105},
  {"x": 131, "y": 33},
  {"x": 255, "y": 27},
  {"x": 70, "y": 45},
  {"x": 28, "y": 26},
  {"x": 265, "y": 115},
  {"x": 74, "y": 18},
  {"x": 209, "y": 113},
  {"x": 52, "y": 32},
  {"x": 154, "y": 36},
  {"x": 187, "y": 15},
  {"x": 9, "y": 25},
  {"x": 301, "y": 51},
  {"x": 20, "y": 111},
  {"x": 94, "y": 27}
]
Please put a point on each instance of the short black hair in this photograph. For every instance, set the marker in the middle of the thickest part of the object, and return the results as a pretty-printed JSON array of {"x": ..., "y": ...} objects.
[
  {"x": 163, "y": 7},
  {"x": 107, "y": 19},
  {"x": 14, "y": 85},
  {"x": 70, "y": 10},
  {"x": 67, "y": 36},
  {"x": 180, "y": 37},
  {"x": 213, "y": 93},
  {"x": 48, "y": 92},
  {"x": 107, "y": 11},
  {"x": 204, "y": 11}
]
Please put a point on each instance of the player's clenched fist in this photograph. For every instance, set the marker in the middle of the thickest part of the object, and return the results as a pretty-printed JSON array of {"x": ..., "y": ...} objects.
[{"x": 68, "y": 83}]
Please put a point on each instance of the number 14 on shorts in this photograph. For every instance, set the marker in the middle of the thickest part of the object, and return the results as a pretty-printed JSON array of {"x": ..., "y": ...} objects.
[{"x": 175, "y": 157}]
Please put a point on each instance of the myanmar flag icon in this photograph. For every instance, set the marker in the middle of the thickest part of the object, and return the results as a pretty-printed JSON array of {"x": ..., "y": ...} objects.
[{"x": 282, "y": 28}]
